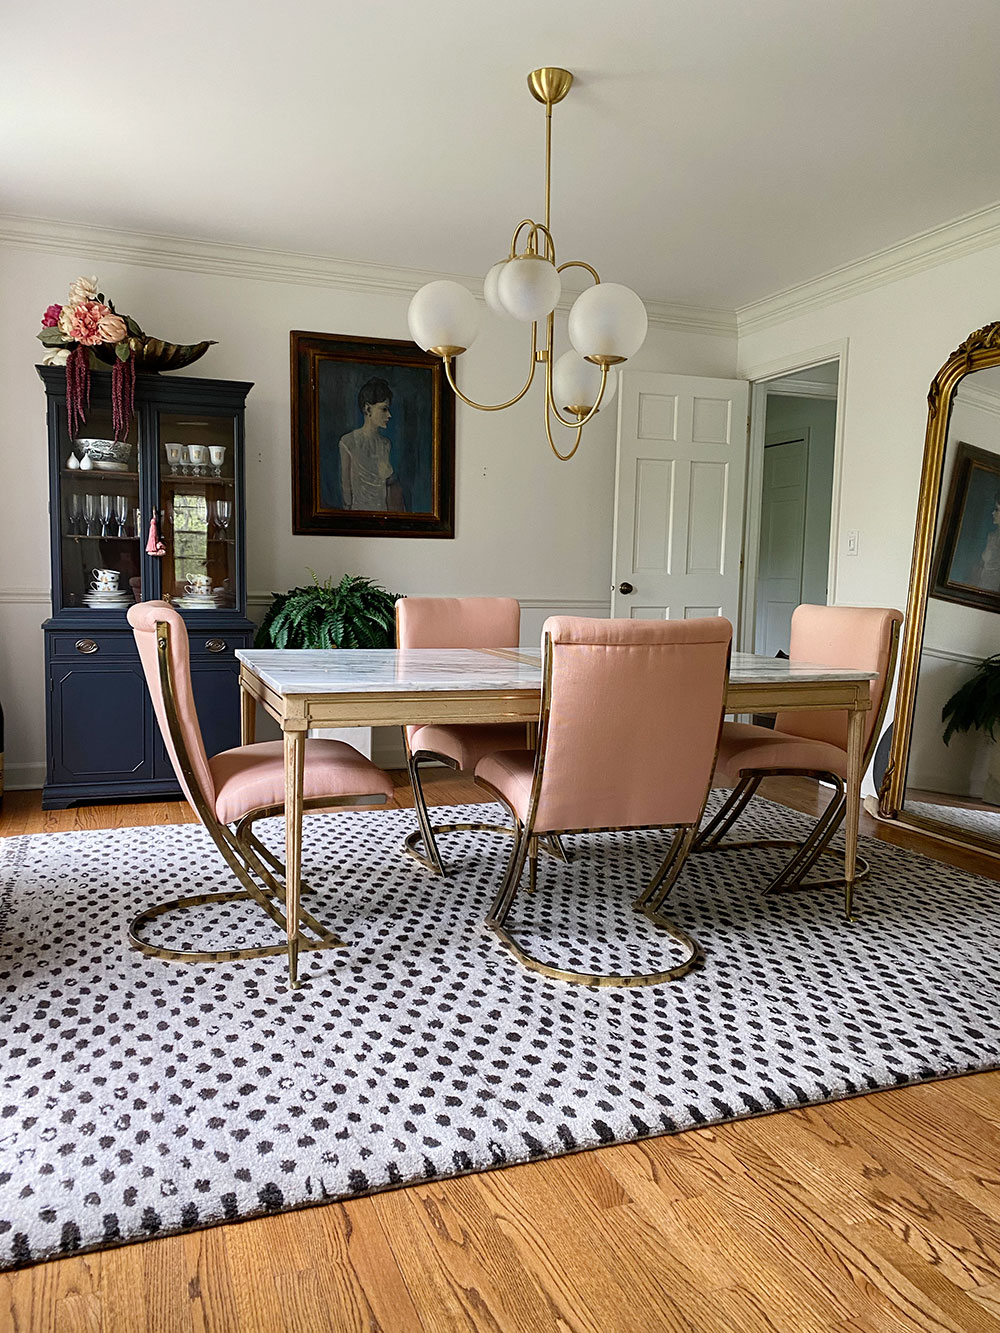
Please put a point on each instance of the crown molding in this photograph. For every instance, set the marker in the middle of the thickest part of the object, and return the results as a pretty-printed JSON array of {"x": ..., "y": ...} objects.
[
  {"x": 986, "y": 400},
  {"x": 940, "y": 245},
  {"x": 156, "y": 250},
  {"x": 793, "y": 388}
]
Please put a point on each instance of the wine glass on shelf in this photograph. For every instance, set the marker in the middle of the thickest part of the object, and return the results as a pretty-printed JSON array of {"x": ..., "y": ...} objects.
[
  {"x": 223, "y": 514},
  {"x": 105, "y": 506},
  {"x": 121, "y": 514},
  {"x": 90, "y": 515},
  {"x": 74, "y": 514}
]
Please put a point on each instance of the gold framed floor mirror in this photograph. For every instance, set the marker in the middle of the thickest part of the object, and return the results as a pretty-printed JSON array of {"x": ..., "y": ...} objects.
[{"x": 943, "y": 774}]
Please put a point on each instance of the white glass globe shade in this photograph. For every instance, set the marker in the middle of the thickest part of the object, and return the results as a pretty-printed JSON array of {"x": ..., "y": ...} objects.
[
  {"x": 576, "y": 383},
  {"x": 608, "y": 320},
  {"x": 529, "y": 288},
  {"x": 443, "y": 314},
  {"x": 490, "y": 288}
]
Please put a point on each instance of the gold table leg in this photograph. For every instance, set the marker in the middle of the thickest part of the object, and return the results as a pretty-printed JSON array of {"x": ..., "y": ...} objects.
[
  {"x": 295, "y": 755},
  {"x": 855, "y": 745},
  {"x": 248, "y": 716}
]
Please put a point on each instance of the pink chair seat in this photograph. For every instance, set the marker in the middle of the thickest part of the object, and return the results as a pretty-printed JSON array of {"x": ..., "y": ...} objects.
[
  {"x": 510, "y": 772},
  {"x": 252, "y": 776},
  {"x": 743, "y": 748},
  {"x": 467, "y": 744}
]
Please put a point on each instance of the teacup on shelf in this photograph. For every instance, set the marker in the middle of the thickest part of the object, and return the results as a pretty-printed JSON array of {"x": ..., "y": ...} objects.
[{"x": 198, "y": 585}]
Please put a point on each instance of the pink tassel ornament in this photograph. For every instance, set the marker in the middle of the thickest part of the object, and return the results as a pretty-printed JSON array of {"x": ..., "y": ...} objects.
[{"x": 153, "y": 545}]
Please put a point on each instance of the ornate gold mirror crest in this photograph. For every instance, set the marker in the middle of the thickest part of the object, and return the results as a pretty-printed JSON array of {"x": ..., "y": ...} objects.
[{"x": 953, "y": 608}]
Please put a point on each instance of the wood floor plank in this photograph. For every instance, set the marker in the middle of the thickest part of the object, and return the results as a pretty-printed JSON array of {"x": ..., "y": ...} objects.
[{"x": 875, "y": 1215}]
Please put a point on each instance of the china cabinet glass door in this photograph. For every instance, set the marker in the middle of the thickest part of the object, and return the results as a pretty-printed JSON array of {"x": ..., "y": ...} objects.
[
  {"x": 198, "y": 510},
  {"x": 100, "y": 522}
]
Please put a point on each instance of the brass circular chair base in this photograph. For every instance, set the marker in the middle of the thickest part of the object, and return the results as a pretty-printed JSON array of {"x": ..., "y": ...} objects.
[
  {"x": 411, "y": 841},
  {"x": 862, "y": 868},
  {"x": 605, "y": 979},
  {"x": 328, "y": 941}
]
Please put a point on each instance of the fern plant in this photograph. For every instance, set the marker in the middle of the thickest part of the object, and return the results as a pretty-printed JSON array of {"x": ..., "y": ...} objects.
[
  {"x": 356, "y": 613},
  {"x": 976, "y": 704}
]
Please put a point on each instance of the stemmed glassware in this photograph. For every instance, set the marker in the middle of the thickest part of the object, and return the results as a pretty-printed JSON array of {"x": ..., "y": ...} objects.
[
  {"x": 105, "y": 506},
  {"x": 223, "y": 514},
  {"x": 121, "y": 514},
  {"x": 90, "y": 516},
  {"x": 74, "y": 517}
]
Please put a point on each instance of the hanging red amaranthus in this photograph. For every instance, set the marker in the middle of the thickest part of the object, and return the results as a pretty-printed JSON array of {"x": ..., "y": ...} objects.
[
  {"x": 122, "y": 395},
  {"x": 77, "y": 387}
]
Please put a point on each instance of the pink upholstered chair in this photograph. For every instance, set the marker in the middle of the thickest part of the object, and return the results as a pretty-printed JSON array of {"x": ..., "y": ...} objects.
[
  {"x": 809, "y": 744},
  {"x": 631, "y": 714},
  {"x": 239, "y": 787},
  {"x": 453, "y": 622}
]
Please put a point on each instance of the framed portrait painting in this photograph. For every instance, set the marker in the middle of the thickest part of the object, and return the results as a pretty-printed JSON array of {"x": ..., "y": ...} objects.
[
  {"x": 967, "y": 561},
  {"x": 373, "y": 438}
]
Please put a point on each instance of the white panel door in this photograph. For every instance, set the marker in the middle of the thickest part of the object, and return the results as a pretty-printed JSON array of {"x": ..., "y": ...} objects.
[
  {"x": 681, "y": 473},
  {"x": 782, "y": 542}
]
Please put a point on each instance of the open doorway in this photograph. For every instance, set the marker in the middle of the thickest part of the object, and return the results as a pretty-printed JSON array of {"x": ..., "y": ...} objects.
[{"x": 790, "y": 501}]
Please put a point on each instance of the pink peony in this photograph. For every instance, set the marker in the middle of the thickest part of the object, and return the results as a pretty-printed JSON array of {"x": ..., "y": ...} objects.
[
  {"x": 111, "y": 328},
  {"x": 50, "y": 320},
  {"x": 85, "y": 323}
]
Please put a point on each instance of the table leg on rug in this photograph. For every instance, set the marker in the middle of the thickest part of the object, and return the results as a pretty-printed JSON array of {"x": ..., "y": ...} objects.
[
  {"x": 248, "y": 715},
  {"x": 855, "y": 746},
  {"x": 295, "y": 755}
]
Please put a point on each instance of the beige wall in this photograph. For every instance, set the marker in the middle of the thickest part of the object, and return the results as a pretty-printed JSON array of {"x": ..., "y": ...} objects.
[
  {"x": 526, "y": 524},
  {"x": 898, "y": 334}
]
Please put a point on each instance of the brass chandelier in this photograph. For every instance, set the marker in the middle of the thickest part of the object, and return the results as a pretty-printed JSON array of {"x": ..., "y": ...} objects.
[{"x": 607, "y": 322}]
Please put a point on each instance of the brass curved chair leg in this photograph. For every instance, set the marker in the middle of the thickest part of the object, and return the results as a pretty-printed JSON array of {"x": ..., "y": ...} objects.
[
  {"x": 792, "y": 876},
  {"x": 624, "y": 979},
  {"x": 647, "y": 903},
  {"x": 430, "y": 857},
  {"x": 325, "y": 939},
  {"x": 731, "y": 809}
]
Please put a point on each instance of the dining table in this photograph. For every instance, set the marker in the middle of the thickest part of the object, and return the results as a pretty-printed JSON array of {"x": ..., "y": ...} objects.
[{"x": 307, "y": 689}]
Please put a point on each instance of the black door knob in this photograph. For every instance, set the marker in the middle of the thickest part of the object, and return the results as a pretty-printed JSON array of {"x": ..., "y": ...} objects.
[{"x": 625, "y": 588}]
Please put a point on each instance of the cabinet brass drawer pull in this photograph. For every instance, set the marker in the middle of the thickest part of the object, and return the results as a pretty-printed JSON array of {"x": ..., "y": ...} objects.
[
  {"x": 86, "y": 646},
  {"x": 216, "y": 645}
]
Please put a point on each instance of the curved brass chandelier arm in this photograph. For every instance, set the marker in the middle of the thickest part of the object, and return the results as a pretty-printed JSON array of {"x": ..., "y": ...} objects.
[
  {"x": 580, "y": 263},
  {"x": 563, "y": 458},
  {"x": 577, "y": 423},
  {"x": 537, "y": 229},
  {"x": 493, "y": 407}
]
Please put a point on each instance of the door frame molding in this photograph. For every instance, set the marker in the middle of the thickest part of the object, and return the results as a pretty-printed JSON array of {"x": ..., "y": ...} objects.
[{"x": 764, "y": 379}]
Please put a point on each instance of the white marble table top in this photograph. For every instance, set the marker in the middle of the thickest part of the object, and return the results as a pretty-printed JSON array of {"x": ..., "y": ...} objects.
[{"x": 308, "y": 671}]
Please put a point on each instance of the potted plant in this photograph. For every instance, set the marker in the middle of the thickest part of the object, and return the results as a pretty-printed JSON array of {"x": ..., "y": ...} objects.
[
  {"x": 976, "y": 706},
  {"x": 356, "y": 613}
]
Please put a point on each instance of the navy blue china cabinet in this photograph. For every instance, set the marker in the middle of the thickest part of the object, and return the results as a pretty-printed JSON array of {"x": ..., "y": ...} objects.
[{"x": 182, "y": 462}]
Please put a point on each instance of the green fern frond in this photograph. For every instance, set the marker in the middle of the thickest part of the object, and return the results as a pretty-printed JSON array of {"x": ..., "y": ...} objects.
[
  {"x": 976, "y": 704},
  {"x": 357, "y": 613}
]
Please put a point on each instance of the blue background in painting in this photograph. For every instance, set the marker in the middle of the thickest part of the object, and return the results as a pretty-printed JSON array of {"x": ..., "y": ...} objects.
[
  {"x": 410, "y": 428},
  {"x": 977, "y": 524}
]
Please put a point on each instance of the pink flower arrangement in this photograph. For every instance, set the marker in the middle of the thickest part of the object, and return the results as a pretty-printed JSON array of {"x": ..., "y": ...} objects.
[{"x": 87, "y": 320}]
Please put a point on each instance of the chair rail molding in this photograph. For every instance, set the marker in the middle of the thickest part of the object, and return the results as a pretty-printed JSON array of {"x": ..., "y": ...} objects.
[
  {"x": 158, "y": 250},
  {"x": 26, "y": 596}
]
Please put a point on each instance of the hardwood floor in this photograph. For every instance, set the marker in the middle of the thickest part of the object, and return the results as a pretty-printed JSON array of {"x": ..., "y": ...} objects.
[{"x": 879, "y": 1213}]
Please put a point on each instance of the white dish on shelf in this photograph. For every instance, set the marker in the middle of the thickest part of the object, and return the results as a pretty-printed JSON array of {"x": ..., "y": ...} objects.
[
  {"x": 107, "y": 465},
  {"x": 97, "y": 598},
  {"x": 195, "y": 603}
]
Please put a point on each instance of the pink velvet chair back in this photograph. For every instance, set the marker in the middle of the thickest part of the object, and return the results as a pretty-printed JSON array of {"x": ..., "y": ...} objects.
[
  {"x": 458, "y": 622},
  {"x": 144, "y": 617},
  {"x": 841, "y": 636},
  {"x": 635, "y": 711}
]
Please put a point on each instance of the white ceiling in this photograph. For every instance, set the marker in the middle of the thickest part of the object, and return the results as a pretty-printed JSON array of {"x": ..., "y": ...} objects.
[{"x": 712, "y": 152}]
